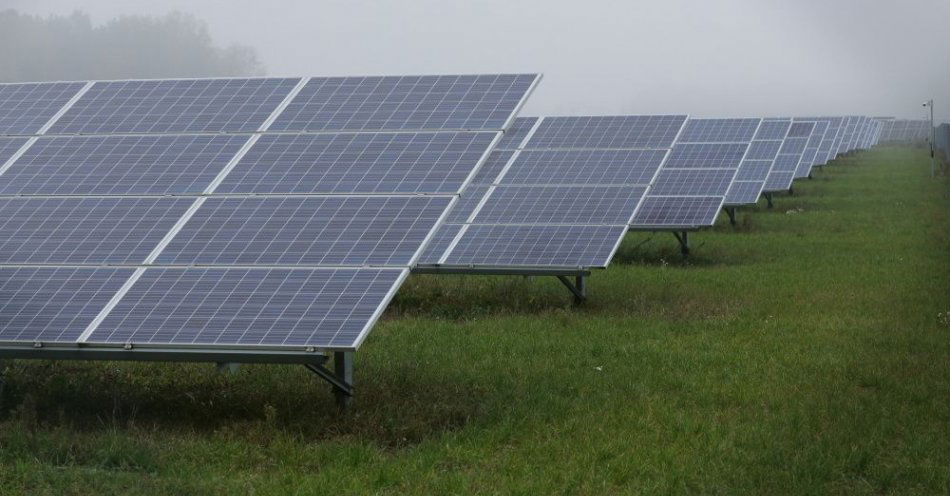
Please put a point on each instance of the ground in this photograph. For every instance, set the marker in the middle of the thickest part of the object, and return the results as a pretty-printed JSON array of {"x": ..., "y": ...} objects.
[{"x": 805, "y": 351}]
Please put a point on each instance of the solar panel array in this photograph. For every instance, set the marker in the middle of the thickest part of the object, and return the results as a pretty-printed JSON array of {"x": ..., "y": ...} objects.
[
  {"x": 165, "y": 213},
  {"x": 560, "y": 192},
  {"x": 809, "y": 156},
  {"x": 789, "y": 156},
  {"x": 692, "y": 185},
  {"x": 755, "y": 167}
]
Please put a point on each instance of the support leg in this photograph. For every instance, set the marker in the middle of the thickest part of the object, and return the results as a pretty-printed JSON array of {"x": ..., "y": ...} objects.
[
  {"x": 683, "y": 238},
  {"x": 578, "y": 288},
  {"x": 731, "y": 212},
  {"x": 768, "y": 198},
  {"x": 343, "y": 368},
  {"x": 791, "y": 190}
]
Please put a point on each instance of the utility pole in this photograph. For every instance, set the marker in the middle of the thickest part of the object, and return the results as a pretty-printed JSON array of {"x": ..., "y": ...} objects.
[{"x": 933, "y": 136}]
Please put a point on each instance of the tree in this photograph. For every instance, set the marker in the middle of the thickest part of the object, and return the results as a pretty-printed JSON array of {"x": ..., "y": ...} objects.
[{"x": 34, "y": 48}]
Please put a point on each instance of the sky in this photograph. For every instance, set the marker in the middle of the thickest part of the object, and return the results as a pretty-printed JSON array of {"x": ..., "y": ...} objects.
[{"x": 707, "y": 58}]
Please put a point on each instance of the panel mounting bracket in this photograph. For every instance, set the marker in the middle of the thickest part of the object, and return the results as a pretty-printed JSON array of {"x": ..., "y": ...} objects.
[
  {"x": 340, "y": 378},
  {"x": 578, "y": 288},
  {"x": 768, "y": 198}
]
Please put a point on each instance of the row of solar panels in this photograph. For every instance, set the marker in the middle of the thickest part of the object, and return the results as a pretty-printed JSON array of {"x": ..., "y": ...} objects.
[
  {"x": 283, "y": 214},
  {"x": 902, "y": 130}
]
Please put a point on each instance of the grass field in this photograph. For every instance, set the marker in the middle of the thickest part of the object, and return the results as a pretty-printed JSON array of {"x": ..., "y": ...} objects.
[{"x": 806, "y": 351}]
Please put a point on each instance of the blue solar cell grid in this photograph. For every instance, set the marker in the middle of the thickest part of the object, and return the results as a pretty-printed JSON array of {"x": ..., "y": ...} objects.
[
  {"x": 744, "y": 192},
  {"x": 754, "y": 170},
  {"x": 672, "y": 182},
  {"x": 773, "y": 129},
  {"x": 584, "y": 167},
  {"x": 706, "y": 156},
  {"x": 406, "y": 103},
  {"x": 170, "y": 106},
  {"x": 631, "y": 131},
  {"x": 90, "y": 230},
  {"x": 763, "y": 150},
  {"x": 671, "y": 212},
  {"x": 536, "y": 245},
  {"x": 358, "y": 163},
  {"x": 26, "y": 107},
  {"x": 116, "y": 165},
  {"x": 325, "y": 308},
  {"x": 719, "y": 130},
  {"x": 305, "y": 231},
  {"x": 53, "y": 304},
  {"x": 588, "y": 205}
]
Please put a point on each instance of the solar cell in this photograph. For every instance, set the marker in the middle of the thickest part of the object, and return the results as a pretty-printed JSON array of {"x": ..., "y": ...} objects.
[
  {"x": 718, "y": 130},
  {"x": 324, "y": 308},
  {"x": 536, "y": 246},
  {"x": 406, "y": 103},
  {"x": 358, "y": 163},
  {"x": 560, "y": 205},
  {"x": 800, "y": 129},
  {"x": 25, "y": 108},
  {"x": 439, "y": 244},
  {"x": 84, "y": 230},
  {"x": 467, "y": 203},
  {"x": 175, "y": 105},
  {"x": 622, "y": 131},
  {"x": 779, "y": 180},
  {"x": 335, "y": 231},
  {"x": 676, "y": 212},
  {"x": 107, "y": 165},
  {"x": 53, "y": 304}
]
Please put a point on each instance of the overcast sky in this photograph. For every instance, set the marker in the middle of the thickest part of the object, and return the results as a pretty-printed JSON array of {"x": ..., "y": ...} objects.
[{"x": 705, "y": 58}]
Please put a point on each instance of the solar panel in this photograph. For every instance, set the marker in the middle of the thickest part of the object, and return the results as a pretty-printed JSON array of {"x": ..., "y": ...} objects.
[
  {"x": 678, "y": 212},
  {"x": 744, "y": 192},
  {"x": 693, "y": 182},
  {"x": 719, "y": 130},
  {"x": 25, "y": 108},
  {"x": 310, "y": 231},
  {"x": 811, "y": 149},
  {"x": 107, "y": 165},
  {"x": 560, "y": 205},
  {"x": 53, "y": 304},
  {"x": 764, "y": 149},
  {"x": 584, "y": 167},
  {"x": 772, "y": 129},
  {"x": 621, "y": 131},
  {"x": 406, "y": 103},
  {"x": 175, "y": 105},
  {"x": 706, "y": 156},
  {"x": 84, "y": 230},
  {"x": 325, "y": 308},
  {"x": 536, "y": 246},
  {"x": 754, "y": 170},
  {"x": 358, "y": 163}
]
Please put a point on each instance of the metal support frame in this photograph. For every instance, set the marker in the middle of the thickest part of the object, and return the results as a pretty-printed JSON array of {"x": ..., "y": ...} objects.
[
  {"x": 578, "y": 288},
  {"x": 340, "y": 378},
  {"x": 791, "y": 190},
  {"x": 683, "y": 238},
  {"x": 731, "y": 212},
  {"x": 768, "y": 198}
]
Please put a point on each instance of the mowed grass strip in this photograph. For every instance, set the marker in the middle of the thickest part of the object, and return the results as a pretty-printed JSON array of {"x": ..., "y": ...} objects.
[{"x": 804, "y": 351}]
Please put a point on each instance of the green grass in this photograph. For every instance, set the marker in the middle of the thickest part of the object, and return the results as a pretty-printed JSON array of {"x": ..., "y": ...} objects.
[{"x": 802, "y": 352}]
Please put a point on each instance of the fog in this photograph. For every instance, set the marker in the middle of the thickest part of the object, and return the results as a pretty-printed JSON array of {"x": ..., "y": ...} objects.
[{"x": 712, "y": 58}]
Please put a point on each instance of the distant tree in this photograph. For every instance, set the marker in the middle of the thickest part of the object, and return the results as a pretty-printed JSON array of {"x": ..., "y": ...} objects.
[{"x": 34, "y": 48}]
